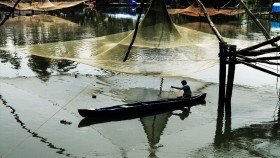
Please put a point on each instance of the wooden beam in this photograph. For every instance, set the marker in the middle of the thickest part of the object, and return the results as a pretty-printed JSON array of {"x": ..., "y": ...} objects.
[
  {"x": 222, "y": 77},
  {"x": 211, "y": 24},
  {"x": 259, "y": 52},
  {"x": 11, "y": 12},
  {"x": 246, "y": 59},
  {"x": 230, "y": 79},
  {"x": 269, "y": 58},
  {"x": 256, "y": 21},
  {"x": 258, "y": 68},
  {"x": 270, "y": 41}
]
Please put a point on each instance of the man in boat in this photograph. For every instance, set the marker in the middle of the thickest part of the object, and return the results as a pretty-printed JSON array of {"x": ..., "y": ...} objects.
[{"x": 186, "y": 88}]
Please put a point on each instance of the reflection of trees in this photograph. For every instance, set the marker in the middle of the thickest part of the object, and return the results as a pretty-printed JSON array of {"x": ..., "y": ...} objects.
[
  {"x": 40, "y": 66},
  {"x": 43, "y": 67},
  {"x": 12, "y": 59},
  {"x": 102, "y": 23}
]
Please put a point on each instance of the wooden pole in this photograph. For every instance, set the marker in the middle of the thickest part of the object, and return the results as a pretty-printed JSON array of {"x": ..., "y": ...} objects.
[
  {"x": 273, "y": 40},
  {"x": 259, "y": 52},
  {"x": 268, "y": 58},
  {"x": 258, "y": 68},
  {"x": 230, "y": 79},
  {"x": 211, "y": 24},
  {"x": 11, "y": 12},
  {"x": 218, "y": 139},
  {"x": 256, "y": 21},
  {"x": 222, "y": 76},
  {"x": 260, "y": 60}
]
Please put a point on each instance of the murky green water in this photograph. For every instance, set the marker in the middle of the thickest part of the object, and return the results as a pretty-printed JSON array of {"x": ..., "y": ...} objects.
[{"x": 36, "y": 93}]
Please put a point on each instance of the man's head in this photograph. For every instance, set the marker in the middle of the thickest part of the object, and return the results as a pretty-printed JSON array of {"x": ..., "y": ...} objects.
[{"x": 184, "y": 82}]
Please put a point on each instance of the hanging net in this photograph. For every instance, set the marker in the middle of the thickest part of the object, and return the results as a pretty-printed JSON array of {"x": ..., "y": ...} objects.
[
  {"x": 195, "y": 10},
  {"x": 160, "y": 48},
  {"x": 45, "y": 5}
]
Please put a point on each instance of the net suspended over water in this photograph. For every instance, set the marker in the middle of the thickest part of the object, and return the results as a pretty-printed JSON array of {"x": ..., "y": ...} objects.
[
  {"x": 42, "y": 5},
  {"x": 161, "y": 47},
  {"x": 195, "y": 10}
]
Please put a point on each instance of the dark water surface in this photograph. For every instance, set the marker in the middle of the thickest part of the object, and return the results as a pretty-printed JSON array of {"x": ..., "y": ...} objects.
[{"x": 36, "y": 93}]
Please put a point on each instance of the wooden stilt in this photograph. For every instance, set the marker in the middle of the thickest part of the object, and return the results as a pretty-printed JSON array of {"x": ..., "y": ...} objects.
[
  {"x": 227, "y": 130},
  {"x": 219, "y": 130},
  {"x": 258, "y": 68},
  {"x": 222, "y": 76},
  {"x": 230, "y": 79}
]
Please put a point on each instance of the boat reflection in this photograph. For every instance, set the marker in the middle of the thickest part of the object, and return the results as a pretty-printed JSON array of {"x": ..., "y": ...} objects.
[
  {"x": 98, "y": 120},
  {"x": 153, "y": 126}
]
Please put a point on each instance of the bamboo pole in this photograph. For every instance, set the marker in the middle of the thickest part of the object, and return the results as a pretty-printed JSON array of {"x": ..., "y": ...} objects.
[
  {"x": 230, "y": 79},
  {"x": 256, "y": 21},
  {"x": 222, "y": 76},
  {"x": 270, "y": 41},
  {"x": 218, "y": 139},
  {"x": 269, "y": 58},
  {"x": 259, "y": 52},
  {"x": 246, "y": 59},
  {"x": 258, "y": 68},
  {"x": 11, "y": 12},
  {"x": 216, "y": 32}
]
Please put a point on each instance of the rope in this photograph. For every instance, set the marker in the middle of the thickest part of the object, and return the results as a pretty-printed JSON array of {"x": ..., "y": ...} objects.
[
  {"x": 226, "y": 4},
  {"x": 275, "y": 69},
  {"x": 277, "y": 105},
  {"x": 198, "y": 10},
  {"x": 12, "y": 149},
  {"x": 171, "y": 92}
]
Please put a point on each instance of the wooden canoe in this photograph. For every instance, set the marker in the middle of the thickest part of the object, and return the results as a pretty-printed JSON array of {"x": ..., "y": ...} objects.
[{"x": 142, "y": 108}]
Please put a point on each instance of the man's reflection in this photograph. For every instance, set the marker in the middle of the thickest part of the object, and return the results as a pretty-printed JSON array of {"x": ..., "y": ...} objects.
[{"x": 184, "y": 114}]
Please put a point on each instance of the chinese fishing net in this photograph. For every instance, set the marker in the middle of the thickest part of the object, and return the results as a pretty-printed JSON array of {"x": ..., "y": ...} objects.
[{"x": 160, "y": 48}]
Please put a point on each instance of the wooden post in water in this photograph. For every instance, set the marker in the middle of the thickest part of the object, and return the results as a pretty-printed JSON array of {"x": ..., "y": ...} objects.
[
  {"x": 222, "y": 76},
  {"x": 255, "y": 20},
  {"x": 230, "y": 79}
]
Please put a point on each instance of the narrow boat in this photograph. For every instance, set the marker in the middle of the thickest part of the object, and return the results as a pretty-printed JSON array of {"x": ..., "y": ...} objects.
[{"x": 142, "y": 108}]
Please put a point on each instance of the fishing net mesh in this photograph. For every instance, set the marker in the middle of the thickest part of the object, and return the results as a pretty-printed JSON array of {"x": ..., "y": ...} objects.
[
  {"x": 195, "y": 10},
  {"x": 156, "y": 31},
  {"x": 160, "y": 48},
  {"x": 45, "y": 5}
]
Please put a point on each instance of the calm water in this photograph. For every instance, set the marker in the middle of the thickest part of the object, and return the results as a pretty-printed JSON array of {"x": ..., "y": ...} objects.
[{"x": 36, "y": 93}]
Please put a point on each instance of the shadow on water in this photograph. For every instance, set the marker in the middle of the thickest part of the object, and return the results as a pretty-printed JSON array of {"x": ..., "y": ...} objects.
[
  {"x": 153, "y": 125},
  {"x": 257, "y": 139},
  {"x": 61, "y": 151}
]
